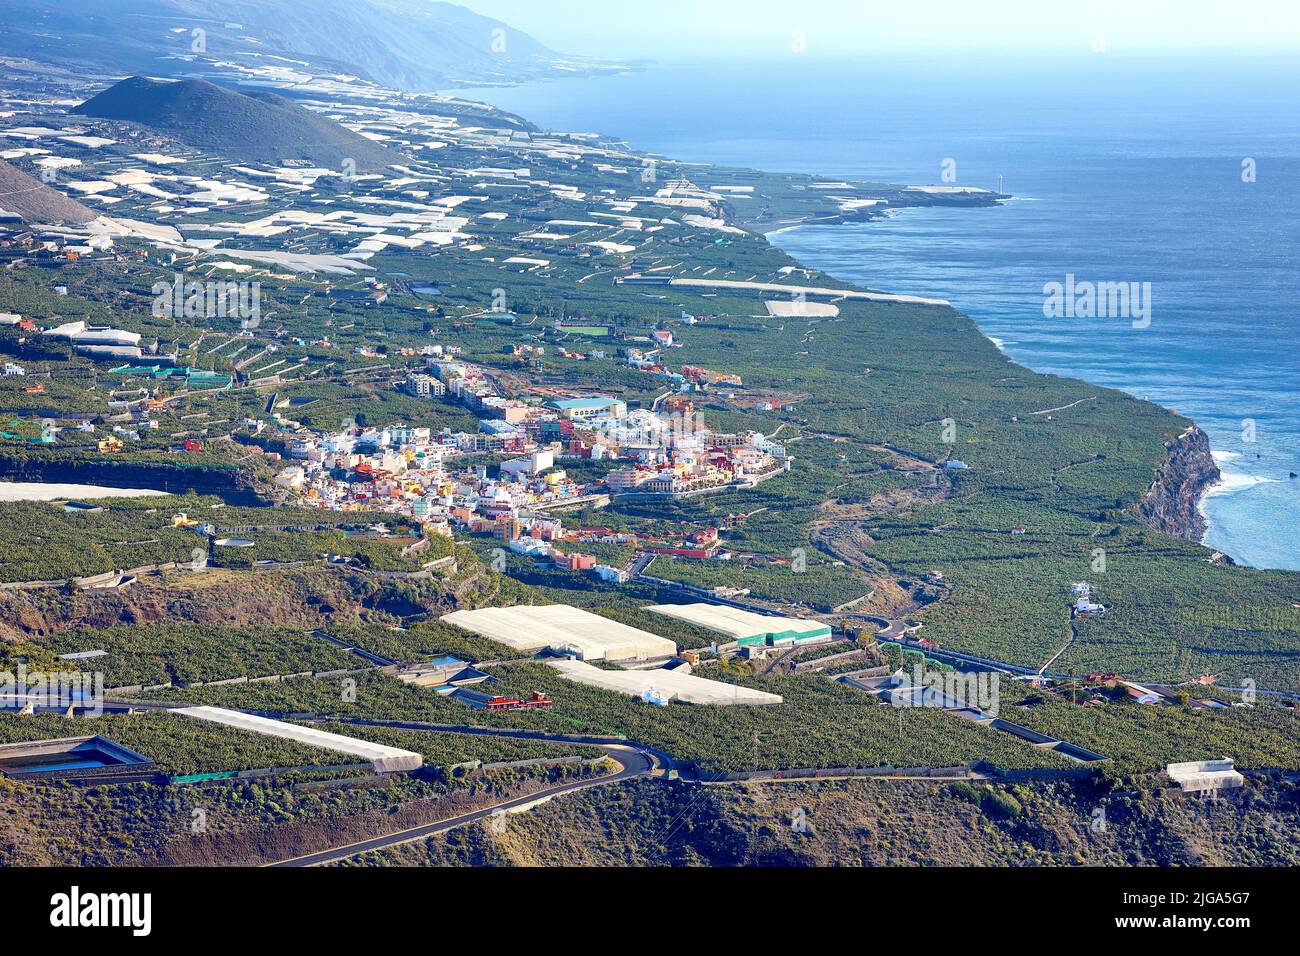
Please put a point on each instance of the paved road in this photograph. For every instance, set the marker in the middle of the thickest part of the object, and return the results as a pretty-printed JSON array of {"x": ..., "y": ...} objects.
[
  {"x": 959, "y": 657},
  {"x": 1074, "y": 636},
  {"x": 634, "y": 763},
  {"x": 893, "y": 630}
]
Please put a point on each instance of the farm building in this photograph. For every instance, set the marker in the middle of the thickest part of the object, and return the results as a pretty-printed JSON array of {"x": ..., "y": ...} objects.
[
  {"x": 747, "y": 628},
  {"x": 665, "y": 686},
  {"x": 565, "y": 629},
  {"x": 1204, "y": 777},
  {"x": 383, "y": 759}
]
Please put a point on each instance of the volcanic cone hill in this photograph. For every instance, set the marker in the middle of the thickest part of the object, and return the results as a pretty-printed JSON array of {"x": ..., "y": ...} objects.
[{"x": 251, "y": 128}]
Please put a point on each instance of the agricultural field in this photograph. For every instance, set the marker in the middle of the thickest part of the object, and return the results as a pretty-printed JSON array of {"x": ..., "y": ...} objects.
[
  {"x": 1143, "y": 739},
  {"x": 184, "y": 746},
  {"x": 820, "y": 586},
  {"x": 177, "y": 745},
  {"x": 820, "y": 723},
  {"x": 40, "y": 541},
  {"x": 185, "y": 654},
  {"x": 44, "y": 541}
]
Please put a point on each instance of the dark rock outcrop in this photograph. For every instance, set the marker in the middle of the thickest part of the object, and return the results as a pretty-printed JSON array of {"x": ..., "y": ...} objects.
[{"x": 1188, "y": 470}]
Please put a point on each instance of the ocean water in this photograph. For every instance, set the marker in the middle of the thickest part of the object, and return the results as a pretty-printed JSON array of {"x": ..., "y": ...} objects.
[{"x": 1123, "y": 170}]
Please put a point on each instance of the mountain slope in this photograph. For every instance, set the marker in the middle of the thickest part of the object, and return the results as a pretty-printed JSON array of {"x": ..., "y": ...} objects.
[
  {"x": 415, "y": 45},
  {"x": 261, "y": 128},
  {"x": 648, "y": 823},
  {"x": 28, "y": 197}
]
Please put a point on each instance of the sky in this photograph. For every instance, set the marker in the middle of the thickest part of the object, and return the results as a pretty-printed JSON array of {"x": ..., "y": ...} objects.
[{"x": 667, "y": 29}]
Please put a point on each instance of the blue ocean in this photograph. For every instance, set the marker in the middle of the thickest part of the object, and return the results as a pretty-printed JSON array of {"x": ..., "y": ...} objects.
[{"x": 1182, "y": 174}]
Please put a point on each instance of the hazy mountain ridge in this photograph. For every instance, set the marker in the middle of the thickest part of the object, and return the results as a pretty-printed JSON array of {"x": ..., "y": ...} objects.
[{"x": 407, "y": 44}]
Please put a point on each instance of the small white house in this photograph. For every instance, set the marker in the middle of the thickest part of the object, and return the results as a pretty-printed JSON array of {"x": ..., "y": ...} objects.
[{"x": 1084, "y": 606}]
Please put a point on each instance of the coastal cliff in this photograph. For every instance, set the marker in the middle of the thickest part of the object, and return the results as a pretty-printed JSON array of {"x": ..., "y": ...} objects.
[{"x": 1188, "y": 470}]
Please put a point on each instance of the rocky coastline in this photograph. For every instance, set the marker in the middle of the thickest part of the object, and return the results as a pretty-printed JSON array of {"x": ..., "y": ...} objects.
[{"x": 1186, "y": 474}]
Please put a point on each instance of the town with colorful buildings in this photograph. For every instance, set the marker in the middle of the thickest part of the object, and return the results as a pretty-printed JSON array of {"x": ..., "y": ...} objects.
[{"x": 508, "y": 479}]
